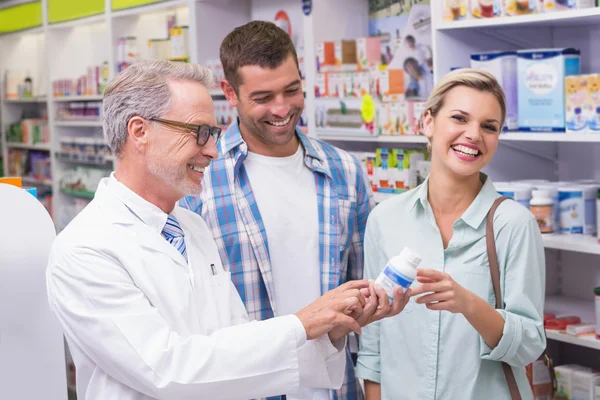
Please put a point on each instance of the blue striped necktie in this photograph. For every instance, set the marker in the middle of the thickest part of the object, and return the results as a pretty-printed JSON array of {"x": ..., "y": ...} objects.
[{"x": 174, "y": 234}]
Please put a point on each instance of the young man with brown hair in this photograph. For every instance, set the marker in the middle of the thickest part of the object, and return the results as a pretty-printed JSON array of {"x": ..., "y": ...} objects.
[{"x": 288, "y": 212}]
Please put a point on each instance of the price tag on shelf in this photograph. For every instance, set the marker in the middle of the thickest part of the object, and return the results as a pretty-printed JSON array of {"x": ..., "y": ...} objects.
[{"x": 307, "y": 7}]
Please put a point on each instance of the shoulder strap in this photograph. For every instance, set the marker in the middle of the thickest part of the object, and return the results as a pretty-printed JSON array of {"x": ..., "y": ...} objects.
[
  {"x": 491, "y": 251},
  {"x": 495, "y": 273}
]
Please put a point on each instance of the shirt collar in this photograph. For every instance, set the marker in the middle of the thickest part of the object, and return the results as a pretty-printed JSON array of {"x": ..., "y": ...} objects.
[
  {"x": 477, "y": 211},
  {"x": 145, "y": 211}
]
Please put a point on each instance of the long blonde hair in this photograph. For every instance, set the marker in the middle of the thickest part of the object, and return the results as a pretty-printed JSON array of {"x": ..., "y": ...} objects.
[{"x": 469, "y": 77}]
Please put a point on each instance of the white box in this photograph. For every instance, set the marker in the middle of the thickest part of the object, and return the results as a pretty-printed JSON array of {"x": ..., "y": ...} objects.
[
  {"x": 583, "y": 383},
  {"x": 564, "y": 379},
  {"x": 503, "y": 65}
]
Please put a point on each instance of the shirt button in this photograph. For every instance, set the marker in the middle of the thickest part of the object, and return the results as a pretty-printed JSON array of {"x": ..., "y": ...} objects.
[
  {"x": 332, "y": 261},
  {"x": 332, "y": 219}
]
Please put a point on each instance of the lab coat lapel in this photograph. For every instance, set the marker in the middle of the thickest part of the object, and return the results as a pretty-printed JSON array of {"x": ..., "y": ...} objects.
[{"x": 118, "y": 214}]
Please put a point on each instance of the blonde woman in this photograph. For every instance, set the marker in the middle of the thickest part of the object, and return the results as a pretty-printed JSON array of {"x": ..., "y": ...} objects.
[{"x": 449, "y": 341}]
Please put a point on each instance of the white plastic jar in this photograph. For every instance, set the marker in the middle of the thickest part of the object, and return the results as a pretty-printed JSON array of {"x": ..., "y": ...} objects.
[
  {"x": 542, "y": 207},
  {"x": 552, "y": 189},
  {"x": 518, "y": 192},
  {"x": 577, "y": 209},
  {"x": 400, "y": 270}
]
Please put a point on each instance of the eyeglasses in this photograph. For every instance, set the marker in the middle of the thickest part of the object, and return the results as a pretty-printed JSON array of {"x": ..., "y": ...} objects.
[{"x": 203, "y": 132}]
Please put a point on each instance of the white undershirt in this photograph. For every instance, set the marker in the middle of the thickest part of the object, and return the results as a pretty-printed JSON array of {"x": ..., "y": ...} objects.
[{"x": 286, "y": 195}]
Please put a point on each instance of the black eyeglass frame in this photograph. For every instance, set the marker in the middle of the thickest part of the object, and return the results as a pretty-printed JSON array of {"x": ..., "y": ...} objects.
[{"x": 203, "y": 131}]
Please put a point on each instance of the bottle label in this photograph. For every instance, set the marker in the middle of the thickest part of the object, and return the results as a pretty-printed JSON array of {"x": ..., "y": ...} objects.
[{"x": 397, "y": 278}]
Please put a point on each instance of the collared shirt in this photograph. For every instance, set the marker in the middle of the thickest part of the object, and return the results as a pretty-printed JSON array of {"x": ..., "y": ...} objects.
[
  {"x": 229, "y": 207},
  {"x": 436, "y": 355},
  {"x": 142, "y": 323}
]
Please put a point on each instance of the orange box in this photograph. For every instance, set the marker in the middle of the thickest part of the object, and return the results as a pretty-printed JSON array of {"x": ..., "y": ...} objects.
[
  {"x": 392, "y": 84},
  {"x": 12, "y": 180},
  {"x": 325, "y": 55}
]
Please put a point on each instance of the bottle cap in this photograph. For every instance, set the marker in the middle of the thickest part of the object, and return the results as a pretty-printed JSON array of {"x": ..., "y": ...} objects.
[
  {"x": 597, "y": 291},
  {"x": 541, "y": 193},
  {"x": 411, "y": 256}
]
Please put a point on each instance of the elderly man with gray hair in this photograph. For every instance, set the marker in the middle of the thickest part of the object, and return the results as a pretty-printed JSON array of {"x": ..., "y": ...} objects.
[{"x": 136, "y": 281}]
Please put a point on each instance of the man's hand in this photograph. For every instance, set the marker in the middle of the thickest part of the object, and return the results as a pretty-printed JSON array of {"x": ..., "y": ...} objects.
[
  {"x": 377, "y": 307},
  {"x": 334, "y": 309}
]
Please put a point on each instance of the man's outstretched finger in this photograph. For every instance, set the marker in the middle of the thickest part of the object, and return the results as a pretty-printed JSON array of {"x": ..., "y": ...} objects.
[{"x": 348, "y": 323}]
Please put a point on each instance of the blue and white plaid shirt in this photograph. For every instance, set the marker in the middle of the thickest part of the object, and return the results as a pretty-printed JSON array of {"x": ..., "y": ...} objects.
[{"x": 228, "y": 206}]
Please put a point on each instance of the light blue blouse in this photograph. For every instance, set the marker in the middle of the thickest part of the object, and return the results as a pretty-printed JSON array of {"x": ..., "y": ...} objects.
[{"x": 426, "y": 355}]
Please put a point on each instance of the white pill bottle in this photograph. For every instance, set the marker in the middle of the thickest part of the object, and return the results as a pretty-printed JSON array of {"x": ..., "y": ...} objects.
[{"x": 400, "y": 270}]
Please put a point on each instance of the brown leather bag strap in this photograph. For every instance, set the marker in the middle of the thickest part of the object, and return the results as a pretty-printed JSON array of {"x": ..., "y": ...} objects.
[{"x": 495, "y": 273}]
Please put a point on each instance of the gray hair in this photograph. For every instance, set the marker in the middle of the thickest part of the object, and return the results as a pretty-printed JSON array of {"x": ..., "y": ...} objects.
[{"x": 143, "y": 90}]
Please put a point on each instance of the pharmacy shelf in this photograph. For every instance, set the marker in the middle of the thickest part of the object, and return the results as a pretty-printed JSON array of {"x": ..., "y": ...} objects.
[
  {"x": 29, "y": 31},
  {"x": 64, "y": 99},
  {"x": 161, "y": 6},
  {"x": 36, "y": 182},
  {"x": 329, "y": 135},
  {"x": 585, "y": 341},
  {"x": 578, "y": 243},
  {"x": 25, "y": 146},
  {"x": 550, "y": 137},
  {"x": 84, "y": 159},
  {"x": 78, "y": 193},
  {"x": 579, "y": 17},
  {"x": 94, "y": 19},
  {"x": 41, "y": 99},
  {"x": 78, "y": 123},
  {"x": 563, "y": 306}
]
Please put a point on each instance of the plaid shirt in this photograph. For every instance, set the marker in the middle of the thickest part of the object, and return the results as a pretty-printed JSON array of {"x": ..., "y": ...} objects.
[{"x": 228, "y": 206}]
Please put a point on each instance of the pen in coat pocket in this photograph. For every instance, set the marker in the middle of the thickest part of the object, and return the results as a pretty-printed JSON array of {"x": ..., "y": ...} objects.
[{"x": 212, "y": 268}]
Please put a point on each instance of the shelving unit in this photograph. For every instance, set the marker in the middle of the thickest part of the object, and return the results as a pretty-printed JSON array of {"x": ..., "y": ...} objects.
[{"x": 558, "y": 157}]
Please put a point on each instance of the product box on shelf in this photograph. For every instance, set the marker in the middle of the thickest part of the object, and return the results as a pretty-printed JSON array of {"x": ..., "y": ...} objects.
[
  {"x": 579, "y": 111},
  {"x": 594, "y": 99},
  {"x": 344, "y": 116},
  {"x": 391, "y": 84},
  {"x": 541, "y": 91},
  {"x": 503, "y": 65},
  {"x": 583, "y": 382},
  {"x": 325, "y": 55},
  {"x": 393, "y": 119},
  {"x": 485, "y": 8},
  {"x": 397, "y": 170},
  {"x": 368, "y": 51},
  {"x": 562, "y": 5},
  {"x": 539, "y": 379},
  {"x": 345, "y": 54},
  {"x": 416, "y": 109},
  {"x": 455, "y": 9},
  {"x": 519, "y": 7},
  {"x": 180, "y": 39},
  {"x": 322, "y": 84}
]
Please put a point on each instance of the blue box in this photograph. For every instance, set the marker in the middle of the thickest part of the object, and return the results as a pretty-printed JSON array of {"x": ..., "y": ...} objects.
[{"x": 541, "y": 87}]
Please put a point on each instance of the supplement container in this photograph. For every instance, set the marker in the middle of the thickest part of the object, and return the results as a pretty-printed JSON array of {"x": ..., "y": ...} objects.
[
  {"x": 577, "y": 209},
  {"x": 519, "y": 192},
  {"x": 542, "y": 207},
  {"x": 400, "y": 270},
  {"x": 597, "y": 302},
  {"x": 552, "y": 189}
]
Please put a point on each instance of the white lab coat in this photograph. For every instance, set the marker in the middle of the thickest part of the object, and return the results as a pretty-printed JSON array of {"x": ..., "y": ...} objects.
[{"x": 142, "y": 324}]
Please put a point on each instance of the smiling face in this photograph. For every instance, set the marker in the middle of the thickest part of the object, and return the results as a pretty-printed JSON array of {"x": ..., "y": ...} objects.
[
  {"x": 172, "y": 154},
  {"x": 464, "y": 133},
  {"x": 269, "y": 104}
]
